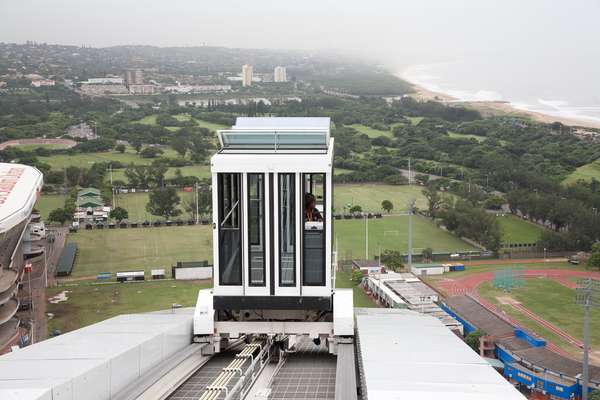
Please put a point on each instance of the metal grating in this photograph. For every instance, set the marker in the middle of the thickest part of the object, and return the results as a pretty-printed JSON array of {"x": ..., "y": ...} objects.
[
  {"x": 193, "y": 388},
  {"x": 307, "y": 374}
]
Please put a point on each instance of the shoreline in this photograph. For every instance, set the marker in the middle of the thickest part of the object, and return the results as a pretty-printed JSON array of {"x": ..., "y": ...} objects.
[{"x": 494, "y": 108}]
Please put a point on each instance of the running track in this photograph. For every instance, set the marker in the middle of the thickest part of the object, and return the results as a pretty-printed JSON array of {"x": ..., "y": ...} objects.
[{"x": 468, "y": 286}]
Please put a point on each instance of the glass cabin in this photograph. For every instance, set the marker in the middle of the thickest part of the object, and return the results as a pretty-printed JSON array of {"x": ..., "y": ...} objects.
[{"x": 272, "y": 222}]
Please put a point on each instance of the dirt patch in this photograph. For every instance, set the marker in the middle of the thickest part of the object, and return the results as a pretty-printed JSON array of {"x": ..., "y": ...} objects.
[{"x": 59, "y": 297}]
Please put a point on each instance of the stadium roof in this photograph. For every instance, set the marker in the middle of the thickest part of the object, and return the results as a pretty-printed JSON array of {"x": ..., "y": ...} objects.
[
  {"x": 406, "y": 354},
  {"x": 19, "y": 186}
]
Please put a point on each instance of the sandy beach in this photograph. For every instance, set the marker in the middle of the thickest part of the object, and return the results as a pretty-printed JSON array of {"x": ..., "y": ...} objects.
[{"x": 491, "y": 108}]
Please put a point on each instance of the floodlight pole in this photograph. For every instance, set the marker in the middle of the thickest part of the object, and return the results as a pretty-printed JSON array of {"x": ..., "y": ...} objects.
[
  {"x": 587, "y": 289},
  {"x": 366, "y": 237},
  {"x": 411, "y": 206}
]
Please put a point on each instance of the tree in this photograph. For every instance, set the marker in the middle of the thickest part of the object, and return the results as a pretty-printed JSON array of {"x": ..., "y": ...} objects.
[
  {"x": 355, "y": 209},
  {"x": 59, "y": 215},
  {"x": 594, "y": 260},
  {"x": 387, "y": 205},
  {"x": 357, "y": 276},
  {"x": 150, "y": 152},
  {"x": 164, "y": 202},
  {"x": 120, "y": 148},
  {"x": 472, "y": 340},
  {"x": 119, "y": 213},
  {"x": 427, "y": 254},
  {"x": 434, "y": 200},
  {"x": 180, "y": 145},
  {"x": 392, "y": 259}
]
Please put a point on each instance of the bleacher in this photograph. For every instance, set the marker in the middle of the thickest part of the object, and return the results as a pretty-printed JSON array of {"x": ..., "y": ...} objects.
[{"x": 67, "y": 260}]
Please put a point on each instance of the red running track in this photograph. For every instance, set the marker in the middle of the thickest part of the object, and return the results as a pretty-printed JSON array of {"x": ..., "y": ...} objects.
[{"x": 468, "y": 286}]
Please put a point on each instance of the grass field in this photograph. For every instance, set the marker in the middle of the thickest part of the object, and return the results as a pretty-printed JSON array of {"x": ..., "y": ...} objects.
[
  {"x": 370, "y": 132},
  {"x": 551, "y": 301},
  {"x": 49, "y": 202},
  {"x": 135, "y": 204},
  {"x": 370, "y": 195},
  {"x": 47, "y": 146},
  {"x": 88, "y": 304},
  {"x": 392, "y": 233},
  {"x": 585, "y": 172},
  {"x": 141, "y": 248},
  {"x": 61, "y": 161},
  {"x": 517, "y": 230},
  {"x": 151, "y": 120}
]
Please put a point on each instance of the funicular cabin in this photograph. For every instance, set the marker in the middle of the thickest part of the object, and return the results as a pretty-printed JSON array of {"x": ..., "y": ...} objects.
[{"x": 273, "y": 247}]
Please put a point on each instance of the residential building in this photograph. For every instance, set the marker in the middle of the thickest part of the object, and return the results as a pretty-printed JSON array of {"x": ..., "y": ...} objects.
[
  {"x": 134, "y": 77},
  {"x": 82, "y": 131},
  {"x": 142, "y": 89},
  {"x": 280, "y": 74},
  {"x": 43, "y": 83},
  {"x": 247, "y": 72}
]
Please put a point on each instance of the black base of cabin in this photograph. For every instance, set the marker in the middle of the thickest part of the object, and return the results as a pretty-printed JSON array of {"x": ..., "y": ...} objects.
[{"x": 272, "y": 303}]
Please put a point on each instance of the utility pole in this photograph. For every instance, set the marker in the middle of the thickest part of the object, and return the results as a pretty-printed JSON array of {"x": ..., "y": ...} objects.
[
  {"x": 197, "y": 206},
  {"x": 587, "y": 295},
  {"x": 112, "y": 189},
  {"x": 409, "y": 173},
  {"x": 366, "y": 237}
]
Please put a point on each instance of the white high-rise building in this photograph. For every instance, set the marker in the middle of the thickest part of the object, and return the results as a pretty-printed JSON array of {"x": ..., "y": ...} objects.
[
  {"x": 280, "y": 74},
  {"x": 247, "y": 75}
]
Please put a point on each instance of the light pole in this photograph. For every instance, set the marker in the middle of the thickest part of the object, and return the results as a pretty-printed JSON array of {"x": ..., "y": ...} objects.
[
  {"x": 411, "y": 207},
  {"x": 588, "y": 295},
  {"x": 366, "y": 237}
]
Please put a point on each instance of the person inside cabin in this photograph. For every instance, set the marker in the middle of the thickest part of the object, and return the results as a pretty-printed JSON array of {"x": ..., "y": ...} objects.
[{"x": 311, "y": 213}]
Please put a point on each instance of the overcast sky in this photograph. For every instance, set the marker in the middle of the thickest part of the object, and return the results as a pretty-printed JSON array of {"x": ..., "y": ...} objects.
[{"x": 394, "y": 30}]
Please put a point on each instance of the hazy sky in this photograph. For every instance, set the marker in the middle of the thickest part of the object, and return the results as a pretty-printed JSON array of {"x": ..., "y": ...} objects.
[{"x": 397, "y": 30}]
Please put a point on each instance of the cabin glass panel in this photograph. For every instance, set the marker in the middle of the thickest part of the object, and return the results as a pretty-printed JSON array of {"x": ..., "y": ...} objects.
[
  {"x": 313, "y": 259},
  {"x": 287, "y": 230},
  {"x": 230, "y": 233},
  {"x": 256, "y": 229}
]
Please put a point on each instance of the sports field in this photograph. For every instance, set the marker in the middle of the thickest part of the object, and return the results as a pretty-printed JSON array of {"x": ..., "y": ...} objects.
[
  {"x": 585, "y": 172},
  {"x": 550, "y": 300},
  {"x": 88, "y": 304},
  {"x": 392, "y": 233},
  {"x": 517, "y": 230},
  {"x": 200, "y": 171},
  {"x": 139, "y": 248},
  {"x": 371, "y": 132},
  {"x": 370, "y": 195}
]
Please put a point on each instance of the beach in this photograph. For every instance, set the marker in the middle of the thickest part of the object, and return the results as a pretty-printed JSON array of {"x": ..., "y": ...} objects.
[{"x": 492, "y": 108}]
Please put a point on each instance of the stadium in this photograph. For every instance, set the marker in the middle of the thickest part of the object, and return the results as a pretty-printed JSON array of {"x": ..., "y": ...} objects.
[{"x": 20, "y": 186}]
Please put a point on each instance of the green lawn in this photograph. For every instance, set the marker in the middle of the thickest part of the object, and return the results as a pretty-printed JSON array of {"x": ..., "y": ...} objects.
[
  {"x": 414, "y": 120},
  {"x": 88, "y": 304},
  {"x": 465, "y": 136},
  {"x": 49, "y": 202},
  {"x": 135, "y": 204},
  {"x": 341, "y": 171},
  {"x": 201, "y": 171},
  {"x": 342, "y": 280},
  {"x": 517, "y": 230},
  {"x": 61, "y": 161},
  {"x": 585, "y": 172},
  {"x": 210, "y": 125},
  {"x": 139, "y": 248},
  {"x": 392, "y": 233},
  {"x": 370, "y": 195},
  {"x": 551, "y": 301},
  {"x": 370, "y": 132},
  {"x": 151, "y": 120}
]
